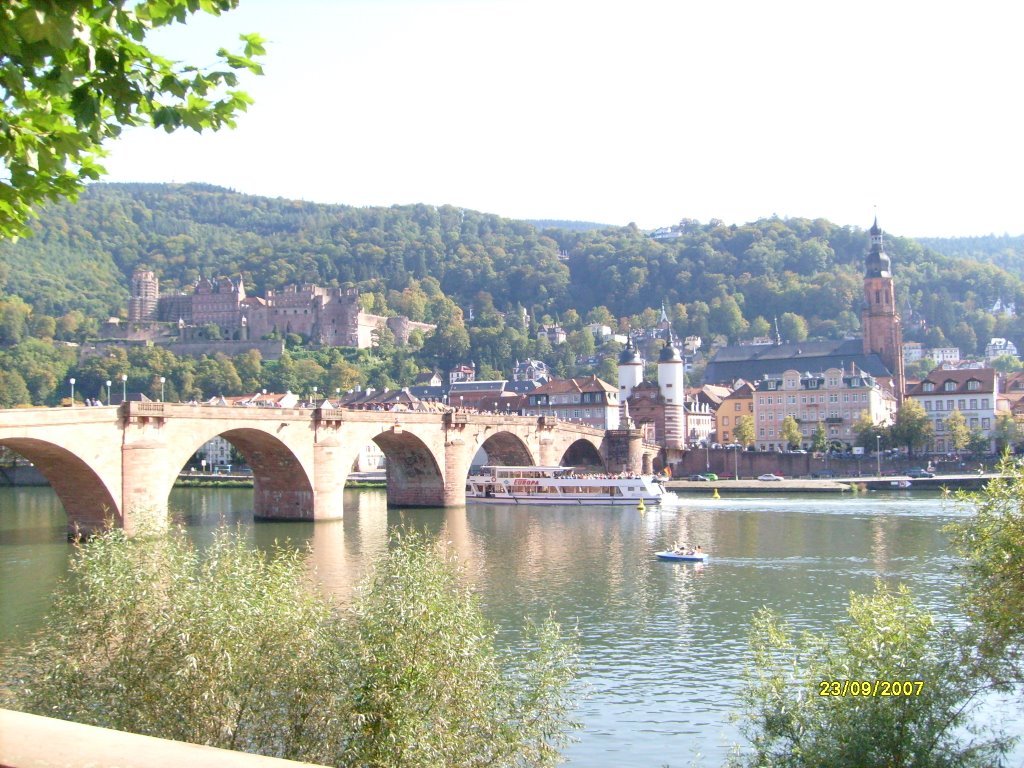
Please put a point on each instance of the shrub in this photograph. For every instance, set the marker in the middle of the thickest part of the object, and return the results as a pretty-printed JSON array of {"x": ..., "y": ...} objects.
[{"x": 794, "y": 719}]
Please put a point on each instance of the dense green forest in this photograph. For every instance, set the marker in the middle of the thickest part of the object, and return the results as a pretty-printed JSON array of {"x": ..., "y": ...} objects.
[
  {"x": 1004, "y": 251},
  {"x": 477, "y": 275}
]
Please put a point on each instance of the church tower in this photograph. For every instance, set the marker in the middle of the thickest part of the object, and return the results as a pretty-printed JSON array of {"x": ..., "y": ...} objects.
[{"x": 880, "y": 319}]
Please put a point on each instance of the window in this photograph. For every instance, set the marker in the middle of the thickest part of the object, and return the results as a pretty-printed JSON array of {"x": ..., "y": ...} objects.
[
  {"x": 974, "y": 403},
  {"x": 986, "y": 423},
  {"x": 928, "y": 387},
  {"x": 973, "y": 385},
  {"x": 949, "y": 386},
  {"x": 961, "y": 405},
  {"x": 927, "y": 405},
  {"x": 949, "y": 405},
  {"x": 725, "y": 421},
  {"x": 984, "y": 403},
  {"x": 737, "y": 406}
]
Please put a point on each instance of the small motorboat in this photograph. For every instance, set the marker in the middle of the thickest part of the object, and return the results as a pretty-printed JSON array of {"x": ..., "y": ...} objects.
[{"x": 687, "y": 556}]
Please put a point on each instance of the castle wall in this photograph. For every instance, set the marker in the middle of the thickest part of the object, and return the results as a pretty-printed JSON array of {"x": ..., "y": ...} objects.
[{"x": 269, "y": 349}]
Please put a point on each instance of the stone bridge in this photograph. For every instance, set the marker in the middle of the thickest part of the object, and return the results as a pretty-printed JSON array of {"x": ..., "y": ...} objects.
[{"x": 119, "y": 463}]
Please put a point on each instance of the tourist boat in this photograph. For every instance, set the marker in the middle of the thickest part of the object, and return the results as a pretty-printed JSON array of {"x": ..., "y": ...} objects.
[
  {"x": 685, "y": 557},
  {"x": 496, "y": 484}
]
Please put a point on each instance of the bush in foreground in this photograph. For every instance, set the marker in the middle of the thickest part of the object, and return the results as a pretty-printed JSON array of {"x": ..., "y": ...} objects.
[
  {"x": 233, "y": 648},
  {"x": 799, "y": 711}
]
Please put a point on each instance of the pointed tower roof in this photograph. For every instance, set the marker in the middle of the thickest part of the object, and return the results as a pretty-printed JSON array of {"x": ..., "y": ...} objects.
[
  {"x": 630, "y": 355},
  {"x": 877, "y": 263},
  {"x": 669, "y": 354}
]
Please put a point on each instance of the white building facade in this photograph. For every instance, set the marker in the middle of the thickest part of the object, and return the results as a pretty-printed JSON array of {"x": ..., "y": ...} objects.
[{"x": 973, "y": 392}]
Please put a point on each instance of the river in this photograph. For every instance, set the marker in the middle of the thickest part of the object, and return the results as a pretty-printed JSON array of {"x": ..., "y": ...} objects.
[{"x": 663, "y": 643}]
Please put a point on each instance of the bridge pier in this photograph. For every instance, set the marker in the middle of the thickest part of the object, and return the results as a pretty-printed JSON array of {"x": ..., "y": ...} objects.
[
  {"x": 329, "y": 475},
  {"x": 456, "y": 468},
  {"x": 274, "y": 500},
  {"x": 143, "y": 495}
]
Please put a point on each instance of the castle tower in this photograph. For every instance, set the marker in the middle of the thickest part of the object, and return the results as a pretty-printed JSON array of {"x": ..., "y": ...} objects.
[
  {"x": 143, "y": 295},
  {"x": 672, "y": 385},
  {"x": 880, "y": 319}
]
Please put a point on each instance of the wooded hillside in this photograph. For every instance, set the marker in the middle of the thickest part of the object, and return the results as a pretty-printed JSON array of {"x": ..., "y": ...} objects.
[{"x": 716, "y": 279}]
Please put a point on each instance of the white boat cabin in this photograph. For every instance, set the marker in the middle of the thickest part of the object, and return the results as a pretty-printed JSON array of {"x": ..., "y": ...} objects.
[{"x": 498, "y": 484}]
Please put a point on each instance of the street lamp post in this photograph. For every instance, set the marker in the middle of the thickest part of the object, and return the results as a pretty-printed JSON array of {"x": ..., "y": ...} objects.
[
  {"x": 314, "y": 396},
  {"x": 736, "y": 461},
  {"x": 203, "y": 462},
  {"x": 162, "y": 380},
  {"x": 878, "y": 453},
  {"x": 707, "y": 456},
  {"x": 109, "y": 382},
  {"x": 124, "y": 387},
  {"x": 72, "y": 380}
]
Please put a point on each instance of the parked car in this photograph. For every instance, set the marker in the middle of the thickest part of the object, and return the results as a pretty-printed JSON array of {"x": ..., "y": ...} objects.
[
  {"x": 709, "y": 476},
  {"x": 823, "y": 473},
  {"x": 769, "y": 477},
  {"x": 919, "y": 472},
  {"x": 697, "y": 478}
]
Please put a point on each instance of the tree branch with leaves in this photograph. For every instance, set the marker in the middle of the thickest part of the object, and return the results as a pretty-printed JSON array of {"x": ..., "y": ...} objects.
[{"x": 75, "y": 73}]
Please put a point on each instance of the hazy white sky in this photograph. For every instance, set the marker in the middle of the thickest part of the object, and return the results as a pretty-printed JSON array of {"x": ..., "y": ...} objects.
[{"x": 616, "y": 112}]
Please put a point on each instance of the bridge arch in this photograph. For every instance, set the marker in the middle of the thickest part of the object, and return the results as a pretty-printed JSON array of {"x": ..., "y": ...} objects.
[
  {"x": 282, "y": 487},
  {"x": 89, "y": 501},
  {"x": 415, "y": 478},
  {"x": 506, "y": 448},
  {"x": 583, "y": 453}
]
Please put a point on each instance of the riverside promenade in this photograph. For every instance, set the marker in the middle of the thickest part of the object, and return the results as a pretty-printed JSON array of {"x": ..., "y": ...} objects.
[{"x": 939, "y": 483}]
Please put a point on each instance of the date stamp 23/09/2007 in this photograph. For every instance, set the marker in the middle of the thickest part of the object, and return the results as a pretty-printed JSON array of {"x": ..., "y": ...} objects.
[{"x": 870, "y": 687}]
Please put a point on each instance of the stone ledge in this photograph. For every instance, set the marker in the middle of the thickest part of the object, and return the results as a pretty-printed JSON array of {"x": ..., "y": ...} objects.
[{"x": 31, "y": 741}]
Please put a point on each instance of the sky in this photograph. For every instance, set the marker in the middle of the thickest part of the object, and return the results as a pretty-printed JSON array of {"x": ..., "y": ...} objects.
[{"x": 615, "y": 112}]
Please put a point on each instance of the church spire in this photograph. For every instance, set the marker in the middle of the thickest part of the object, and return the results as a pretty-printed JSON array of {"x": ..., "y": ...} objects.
[{"x": 877, "y": 263}]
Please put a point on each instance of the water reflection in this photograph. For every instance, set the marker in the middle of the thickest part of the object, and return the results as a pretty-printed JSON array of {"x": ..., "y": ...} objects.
[{"x": 663, "y": 643}]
